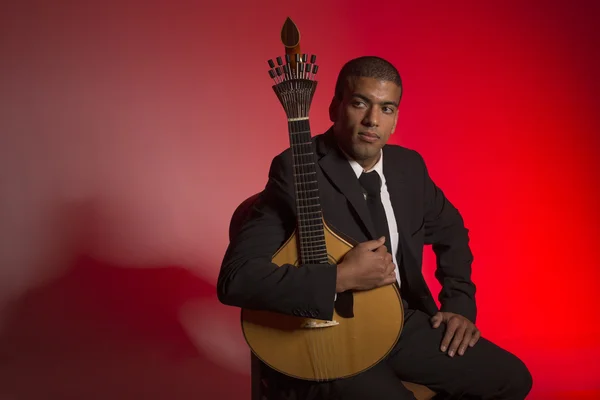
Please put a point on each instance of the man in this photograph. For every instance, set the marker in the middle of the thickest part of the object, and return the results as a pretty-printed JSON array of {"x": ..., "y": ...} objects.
[{"x": 441, "y": 349}]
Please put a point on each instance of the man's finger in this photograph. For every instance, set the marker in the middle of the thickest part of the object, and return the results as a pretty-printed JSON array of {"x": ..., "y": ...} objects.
[
  {"x": 451, "y": 328},
  {"x": 373, "y": 244},
  {"x": 382, "y": 251},
  {"x": 436, "y": 320},
  {"x": 389, "y": 279},
  {"x": 475, "y": 338},
  {"x": 457, "y": 339},
  {"x": 466, "y": 340},
  {"x": 391, "y": 268}
]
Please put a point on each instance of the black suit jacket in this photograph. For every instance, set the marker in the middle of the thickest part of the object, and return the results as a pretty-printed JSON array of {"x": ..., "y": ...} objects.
[{"x": 249, "y": 279}]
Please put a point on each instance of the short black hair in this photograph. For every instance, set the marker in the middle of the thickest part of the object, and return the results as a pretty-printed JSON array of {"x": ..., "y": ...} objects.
[{"x": 369, "y": 67}]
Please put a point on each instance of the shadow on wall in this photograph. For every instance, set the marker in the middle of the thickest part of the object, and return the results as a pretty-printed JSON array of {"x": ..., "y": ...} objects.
[{"x": 105, "y": 332}]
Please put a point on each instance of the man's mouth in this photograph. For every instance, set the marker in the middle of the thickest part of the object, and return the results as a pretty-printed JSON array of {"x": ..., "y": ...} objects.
[{"x": 369, "y": 137}]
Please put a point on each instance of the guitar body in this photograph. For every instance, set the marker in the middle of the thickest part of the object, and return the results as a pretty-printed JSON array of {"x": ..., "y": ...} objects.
[{"x": 317, "y": 350}]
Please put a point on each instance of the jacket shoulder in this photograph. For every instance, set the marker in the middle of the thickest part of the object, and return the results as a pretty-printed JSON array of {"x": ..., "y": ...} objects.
[{"x": 404, "y": 155}]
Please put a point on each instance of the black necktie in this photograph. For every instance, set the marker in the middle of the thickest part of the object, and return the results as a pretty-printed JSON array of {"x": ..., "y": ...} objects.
[{"x": 371, "y": 183}]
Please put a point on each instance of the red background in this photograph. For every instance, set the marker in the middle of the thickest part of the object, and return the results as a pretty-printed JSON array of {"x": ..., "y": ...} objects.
[{"x": 130, "y": 133}]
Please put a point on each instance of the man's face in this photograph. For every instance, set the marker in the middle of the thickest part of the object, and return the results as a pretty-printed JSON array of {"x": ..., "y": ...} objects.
[{"x": 365, "y": 117}]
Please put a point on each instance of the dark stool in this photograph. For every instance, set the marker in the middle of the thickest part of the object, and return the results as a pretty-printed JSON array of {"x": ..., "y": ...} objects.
[{"x": 260, "y": 386}]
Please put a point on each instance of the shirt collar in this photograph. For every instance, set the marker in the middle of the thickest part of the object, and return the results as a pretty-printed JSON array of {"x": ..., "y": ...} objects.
[{"x": 358, "y": 170}]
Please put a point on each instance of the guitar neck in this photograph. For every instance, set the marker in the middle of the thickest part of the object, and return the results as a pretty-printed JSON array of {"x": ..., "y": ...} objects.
[{"x": 311, "y": 233}]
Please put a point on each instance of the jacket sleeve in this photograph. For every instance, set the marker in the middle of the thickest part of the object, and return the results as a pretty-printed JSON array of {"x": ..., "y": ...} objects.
[
  {"x": 446, "y": 233},
  {"x": 248, "y": 279}
]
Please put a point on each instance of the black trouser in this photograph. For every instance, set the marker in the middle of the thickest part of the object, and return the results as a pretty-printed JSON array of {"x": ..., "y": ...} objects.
[{"x": 485, "y": 371}]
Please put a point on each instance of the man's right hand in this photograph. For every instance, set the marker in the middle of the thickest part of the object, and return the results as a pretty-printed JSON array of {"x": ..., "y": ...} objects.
[{"x": 366, "y": 266}]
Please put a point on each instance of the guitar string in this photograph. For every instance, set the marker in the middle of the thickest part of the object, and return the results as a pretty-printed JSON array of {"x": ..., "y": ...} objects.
[
  {"x": 303, "y": 185},
  {"x": 323, "y": 361},
  {"x": 301, "y": 95},
  {"x": 312, "y": 240},
  {"x": 297, "y": 161},
  {"x": 288, "y": 103}
]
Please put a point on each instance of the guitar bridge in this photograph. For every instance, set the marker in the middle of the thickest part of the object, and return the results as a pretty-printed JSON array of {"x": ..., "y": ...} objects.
[{"x": 311, "y": 324}]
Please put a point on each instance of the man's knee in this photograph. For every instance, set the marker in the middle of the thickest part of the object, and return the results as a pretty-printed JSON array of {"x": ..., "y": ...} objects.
[
  {"x": 504, "y": 376},
  {"x": 518, "y": 381}
]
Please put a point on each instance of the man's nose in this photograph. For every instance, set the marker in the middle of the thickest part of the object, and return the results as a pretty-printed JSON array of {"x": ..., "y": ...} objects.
[{"x": 371, "y": 118}]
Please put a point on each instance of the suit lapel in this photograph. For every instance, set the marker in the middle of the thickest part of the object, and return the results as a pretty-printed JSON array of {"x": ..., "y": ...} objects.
[{"x": 339, "y": 172}]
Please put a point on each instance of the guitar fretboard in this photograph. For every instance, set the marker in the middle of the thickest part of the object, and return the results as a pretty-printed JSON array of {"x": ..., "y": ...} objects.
[{"x": 308, "y": 205}]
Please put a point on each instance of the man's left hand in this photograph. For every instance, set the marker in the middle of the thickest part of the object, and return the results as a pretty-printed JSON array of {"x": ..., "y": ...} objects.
[{"x": 460, "y": 332}]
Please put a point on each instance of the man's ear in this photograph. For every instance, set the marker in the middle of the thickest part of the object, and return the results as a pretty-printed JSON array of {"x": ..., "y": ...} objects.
[{"x": 333, "y": 109}]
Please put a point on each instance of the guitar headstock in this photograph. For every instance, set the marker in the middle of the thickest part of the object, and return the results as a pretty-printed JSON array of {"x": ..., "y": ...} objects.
[{"x": 297, "y": 66}]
